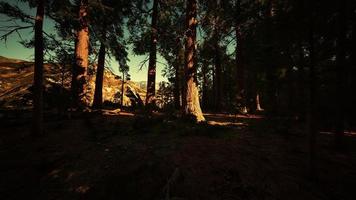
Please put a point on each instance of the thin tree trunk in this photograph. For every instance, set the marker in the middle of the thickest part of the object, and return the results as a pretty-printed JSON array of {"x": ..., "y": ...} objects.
[
  {"x": 214, "y": 88},
  {"x": 98, "y": 94},
  {"x": 38, "y": 71},
  {"x": 192, "y": 106},
  {"x": 182, "y": 79},
  {"x": 205, "y": 85},
  {"x": 342, "y": 74},
  {"x": 151, "y": 79},
  {"x": 240, "y": 69},
  {"x": 301, "y": 83},
  {"x": 352, "y": 85},
  {"x": 218, "y": 89},
  {"x": 177, "y": 78},
  {"x": 258, "y": 103},
  {"x": 177, "y": 87},
  {"x": 218, "y": 75},
  {"x": 183, "y": 90},
  {"x": 79, "y": 79},
  {"x": 312, "y": 94},
  {"x": 122, "y": 89}
]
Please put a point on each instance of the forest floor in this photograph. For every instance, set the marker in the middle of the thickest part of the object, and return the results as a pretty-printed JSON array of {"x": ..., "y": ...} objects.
[{"x": 113, "y": 155}]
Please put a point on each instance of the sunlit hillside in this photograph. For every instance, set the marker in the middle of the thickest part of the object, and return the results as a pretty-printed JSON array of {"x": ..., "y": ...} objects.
[{"x": 16, "y": 77}]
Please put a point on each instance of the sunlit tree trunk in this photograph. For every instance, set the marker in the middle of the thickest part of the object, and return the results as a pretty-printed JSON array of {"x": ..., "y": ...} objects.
[
  {"x": 98, "y": 94},
  {"x": 192, "y": 105},
  {"x": 151, "y": 79},
  {"x": 38, "y": 72},
  {"x": 79, "y": 78},
  {"x": 258, "y": 103},
  {"x": 240, "y": 69}
]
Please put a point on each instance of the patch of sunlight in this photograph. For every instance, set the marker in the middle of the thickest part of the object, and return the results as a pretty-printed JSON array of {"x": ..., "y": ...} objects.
[
  {"x": 247, "y": 116},
  {"x": 82, "y": 189},
  {"x": 351, "y": 133},
  {"x": 111, "y": 112},
  {"x": 117, "y": 112},
  {"x": 347, "y": 133},
  {"x": 54, "y": 173},
  {"x": 216, "y": 123}
]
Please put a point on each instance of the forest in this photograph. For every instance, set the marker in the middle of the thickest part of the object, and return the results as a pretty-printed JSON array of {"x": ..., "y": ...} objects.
[{"x": 256, "y": 102}]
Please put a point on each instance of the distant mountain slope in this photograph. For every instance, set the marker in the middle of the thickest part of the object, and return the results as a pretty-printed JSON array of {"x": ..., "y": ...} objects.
[
  {"x": 16, "y": 77},
  {"x": 10, "y": 60}
]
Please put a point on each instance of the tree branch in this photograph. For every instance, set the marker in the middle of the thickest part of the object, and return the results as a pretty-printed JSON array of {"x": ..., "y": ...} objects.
[{"x": 9, "y": 32}]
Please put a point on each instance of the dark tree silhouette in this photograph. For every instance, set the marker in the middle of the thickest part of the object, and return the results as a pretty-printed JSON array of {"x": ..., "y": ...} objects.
[
  {"x": 240, "y": 70},
  {"x": 151, "y": 75},
  {"x": 98, "y": 93},
  {"x": 38, "y": 72}
]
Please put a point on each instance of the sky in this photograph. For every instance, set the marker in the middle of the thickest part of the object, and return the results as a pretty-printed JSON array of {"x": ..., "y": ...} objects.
[{"x": 13, "y": 49}]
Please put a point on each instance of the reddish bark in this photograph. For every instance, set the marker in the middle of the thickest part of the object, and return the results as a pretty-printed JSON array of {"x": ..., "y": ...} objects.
[
  {"x": 192, "y": 104},
  {"x": 79, "y": 78}
]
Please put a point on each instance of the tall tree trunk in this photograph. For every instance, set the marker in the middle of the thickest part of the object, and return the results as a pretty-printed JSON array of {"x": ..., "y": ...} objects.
[
  {"x": 151, "y": 79},
  {"x": 214, "y": 88},
  {"x": 241, "y": 88},
  {"x": 342, "y": 74},
  {"x": 352, "y": 85},
  {"x": 182, "y": 79},
  {"x": 271, "y": 78},
  {"x": 218, "y": 89},
  {"x": 240, "y": 69},
  {"x": 177, "y": 78},
  {"x": 218, "y": 74},
  {"x": 183, "y": 89},
  {"x": 192, "y": 104},
  {"x": 312, "y": 118},
  {"x": 79, "y": 78},
  {"x": 258, "y": 103},
  {"x": 205, "y": 85},
  {"x": 98, "y": 94},
  {"x": 177, "y": 87},
  {"x": 38, "y": 71},
  {"x": 301, "y": 105},
  {"x": 122, "y": 89}
]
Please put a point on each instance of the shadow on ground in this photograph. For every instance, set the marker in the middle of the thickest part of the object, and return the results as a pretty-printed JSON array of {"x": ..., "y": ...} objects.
[{"x": 113, "y": 155}]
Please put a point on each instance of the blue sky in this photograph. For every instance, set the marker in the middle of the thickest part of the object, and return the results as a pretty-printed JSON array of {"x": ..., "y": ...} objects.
[{"x": 13, "y": 49}]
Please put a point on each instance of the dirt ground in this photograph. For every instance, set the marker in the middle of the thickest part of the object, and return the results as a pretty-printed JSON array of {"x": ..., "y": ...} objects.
[{"x": 113, "y": 155}]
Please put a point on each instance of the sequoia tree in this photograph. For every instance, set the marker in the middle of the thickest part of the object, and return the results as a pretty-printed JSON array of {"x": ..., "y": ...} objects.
[
  {"x": 192, "y": 104},
  {"x": 81, "y": 55}
]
